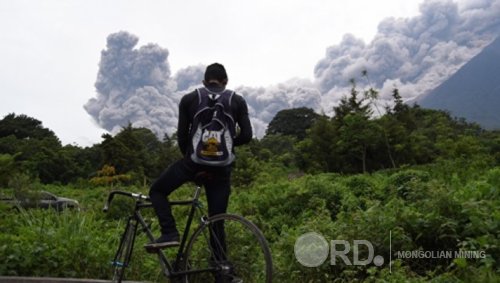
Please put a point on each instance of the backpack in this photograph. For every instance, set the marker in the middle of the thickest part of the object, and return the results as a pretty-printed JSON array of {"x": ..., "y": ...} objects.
[{"x": 213, "y": 129}]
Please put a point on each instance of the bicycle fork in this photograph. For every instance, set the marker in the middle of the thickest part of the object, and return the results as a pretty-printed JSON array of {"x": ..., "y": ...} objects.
[{"x": 124, "y": 252}]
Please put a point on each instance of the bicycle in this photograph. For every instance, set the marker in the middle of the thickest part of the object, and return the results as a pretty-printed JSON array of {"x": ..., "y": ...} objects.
[{"x": 244, "y": 258}]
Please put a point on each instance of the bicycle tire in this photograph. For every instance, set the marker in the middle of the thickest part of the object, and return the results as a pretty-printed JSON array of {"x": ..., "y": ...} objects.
[
  {"x": 124, "y": 252},
  {"x": 246, "y": 256}
]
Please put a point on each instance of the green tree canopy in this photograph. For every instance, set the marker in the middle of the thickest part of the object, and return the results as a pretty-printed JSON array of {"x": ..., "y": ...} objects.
[
  {"x": 292, "y": 122},
  {"x": 22, "y": 126},
  {"x": 139, "y": 151},
  {"x": 7, "y": 168}
]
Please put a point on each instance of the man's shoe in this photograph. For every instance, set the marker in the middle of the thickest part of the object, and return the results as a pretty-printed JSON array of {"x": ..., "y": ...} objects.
[{"x": 164, "y": 241}]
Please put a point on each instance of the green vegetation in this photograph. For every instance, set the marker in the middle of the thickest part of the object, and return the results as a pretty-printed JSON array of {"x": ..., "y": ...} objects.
[{"x": 428, "y": 180}]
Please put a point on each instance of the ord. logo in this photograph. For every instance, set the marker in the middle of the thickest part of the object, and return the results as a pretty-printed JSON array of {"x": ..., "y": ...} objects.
[{"x": 312, "y": 250}]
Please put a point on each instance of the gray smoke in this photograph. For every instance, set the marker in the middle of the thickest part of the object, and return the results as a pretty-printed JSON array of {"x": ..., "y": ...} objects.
[
  {"x": 264, "y": 103},
  {"x": 134, "y": 85},
  {"x": 188, "y": 77},
  {"x": 414, "y": 54}
]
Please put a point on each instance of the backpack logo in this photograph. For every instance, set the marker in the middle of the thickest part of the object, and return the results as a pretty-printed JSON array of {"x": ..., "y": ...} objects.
[
  {"x": 211, "y": 143},
  {"x": 213, "y": 129}
]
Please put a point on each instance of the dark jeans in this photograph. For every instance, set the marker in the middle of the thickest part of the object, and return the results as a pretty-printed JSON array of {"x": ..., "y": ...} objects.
[{"x": 217, "y": 189}]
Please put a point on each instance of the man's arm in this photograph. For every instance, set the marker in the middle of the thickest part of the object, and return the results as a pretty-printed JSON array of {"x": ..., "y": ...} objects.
[
  {"x": 245, "y": 134},
  {"x": 184, "y": 124}
]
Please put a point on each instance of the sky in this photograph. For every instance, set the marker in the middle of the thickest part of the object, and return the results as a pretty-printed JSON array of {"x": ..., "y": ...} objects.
[{"x": 51, "y": 50}]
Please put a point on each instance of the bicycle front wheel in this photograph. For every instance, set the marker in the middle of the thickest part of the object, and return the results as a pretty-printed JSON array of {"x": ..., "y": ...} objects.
[
  {"x": 124, "y": 252},
  {"x": 228, "y": 248}
]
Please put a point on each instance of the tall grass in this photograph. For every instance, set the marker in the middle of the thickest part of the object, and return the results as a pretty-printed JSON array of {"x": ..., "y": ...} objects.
[
  {"x": 48, "y": 243},
  {"x": 442, "y": 206},
  {"x": 70, "y": 244}
]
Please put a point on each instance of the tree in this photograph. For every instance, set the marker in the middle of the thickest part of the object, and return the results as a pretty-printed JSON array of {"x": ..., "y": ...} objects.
[
  {"x": 107, "y": 176},
  {"x": 292, "y": 122},
  {"x": 51, "y": 166},
  {"x": 24, "y": 127},
  {"x": 37, "y": 148},
  {"x": 123, "y": 151},
  {"x": 138, "y": 151},
  {"x": 318, "y": 152},
  {"x": 353, "y": 104},
  {"x": 7, "y": 168},
  {"x": 274, "y": 148},
  {"x": 168, "y": 153},
  {"x": 399, "y": 106},
  {"x": 357, "y": 137},
  {"x": 356, "y": 132}
]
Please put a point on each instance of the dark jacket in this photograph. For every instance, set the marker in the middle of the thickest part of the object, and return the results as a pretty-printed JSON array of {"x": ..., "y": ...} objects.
[{"x": 188, "y": 107}]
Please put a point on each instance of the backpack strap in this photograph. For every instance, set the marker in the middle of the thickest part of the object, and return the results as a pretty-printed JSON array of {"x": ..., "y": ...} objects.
[
  {"x": 205, "y": 93},
  {"x": 203, "y": 90}
]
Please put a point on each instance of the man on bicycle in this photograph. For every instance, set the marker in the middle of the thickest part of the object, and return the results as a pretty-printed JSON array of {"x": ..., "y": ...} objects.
[{"x": 216, "y": 172}]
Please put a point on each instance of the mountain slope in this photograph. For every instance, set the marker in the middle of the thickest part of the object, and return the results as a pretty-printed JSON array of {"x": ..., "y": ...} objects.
[{"x": 473, "y": 92}]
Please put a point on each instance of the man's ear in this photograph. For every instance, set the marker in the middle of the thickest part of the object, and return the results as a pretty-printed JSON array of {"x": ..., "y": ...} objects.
[{"x": 204, "y": 83}]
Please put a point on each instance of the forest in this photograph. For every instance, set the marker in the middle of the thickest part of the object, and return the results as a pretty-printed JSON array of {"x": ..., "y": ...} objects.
[{"x": 429, "y": 180}]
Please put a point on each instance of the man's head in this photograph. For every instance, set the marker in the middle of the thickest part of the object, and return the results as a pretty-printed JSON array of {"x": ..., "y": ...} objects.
[{"x": 215, "y": 73}]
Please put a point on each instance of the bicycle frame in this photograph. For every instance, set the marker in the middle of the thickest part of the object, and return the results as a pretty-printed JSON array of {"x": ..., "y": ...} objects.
[{"x": 141, "y": 201}]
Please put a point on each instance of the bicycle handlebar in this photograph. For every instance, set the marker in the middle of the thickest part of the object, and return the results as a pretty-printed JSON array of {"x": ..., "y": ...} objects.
[{"x": 137, "y": 196}]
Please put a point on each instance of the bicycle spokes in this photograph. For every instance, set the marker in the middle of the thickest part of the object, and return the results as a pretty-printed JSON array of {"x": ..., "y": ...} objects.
[{"x": 232, "y": 249}]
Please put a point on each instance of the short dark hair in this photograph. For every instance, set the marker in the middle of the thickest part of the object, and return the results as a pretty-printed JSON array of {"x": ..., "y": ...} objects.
[{"x": 215, "y": 71}]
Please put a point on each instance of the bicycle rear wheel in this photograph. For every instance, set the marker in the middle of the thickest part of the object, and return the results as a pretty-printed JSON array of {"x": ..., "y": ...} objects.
[
  {"x": 230, "y": 249},
  {"x": 124, "y": 252}
]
